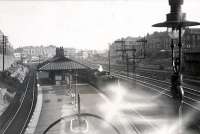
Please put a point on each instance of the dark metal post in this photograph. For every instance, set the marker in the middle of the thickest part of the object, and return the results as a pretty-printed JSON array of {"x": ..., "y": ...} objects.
[
  {"x": 176, "y": 20},
  {"x": 176, "y": 79},
  {"x": 39, "y": 59},
  {"x": 144, "y": 42},
  {"x": 134, "y": 67},
  {"x": 109, "y": 59},
  {"x": 5, "y": 45},
  {"x": 144, "y": 46},
  {"x": 123, "y": 52},
  {"x": 79, "y": 104},
  {"x": 3, "y": 50},
  {"x": 76, "y": 90},
  {"x": 125, "y": 55},
  {"x": 180, "y": 50},
  {"x": 127, "y": 64},
  {"x": 180, "y": 77},
  {"x": 172, "y": 48}
]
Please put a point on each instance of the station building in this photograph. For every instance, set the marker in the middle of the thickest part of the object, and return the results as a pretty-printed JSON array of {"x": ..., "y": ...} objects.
[{"x": 59, "y": 69}]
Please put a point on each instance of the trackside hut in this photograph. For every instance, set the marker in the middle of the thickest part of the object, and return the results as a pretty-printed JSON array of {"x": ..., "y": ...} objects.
[{"x": 59, "y": 69}]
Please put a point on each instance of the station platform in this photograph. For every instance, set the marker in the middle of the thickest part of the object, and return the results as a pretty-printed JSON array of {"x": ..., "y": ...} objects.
[
  {"x": 131, "y": 110},
  {"x": 58, "y": 103}
]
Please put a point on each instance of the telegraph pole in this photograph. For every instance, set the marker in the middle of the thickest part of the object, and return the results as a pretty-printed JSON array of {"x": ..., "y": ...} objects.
[
  {"x": 127, "y": 64},
  {"x": 3, "y": 45},
  {"x": 144, "y": 43},
  {"x": 109, "y": 59},
  {"x": 124, "y": 51},
  {"x": 133, "y": 57}
]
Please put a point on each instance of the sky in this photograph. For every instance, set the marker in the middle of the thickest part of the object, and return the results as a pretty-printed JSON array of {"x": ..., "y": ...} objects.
[{"x": 84, "y": 24}]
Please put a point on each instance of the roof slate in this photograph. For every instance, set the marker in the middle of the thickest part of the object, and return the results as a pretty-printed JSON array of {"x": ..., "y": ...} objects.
[{"x": 61, "y": 63}]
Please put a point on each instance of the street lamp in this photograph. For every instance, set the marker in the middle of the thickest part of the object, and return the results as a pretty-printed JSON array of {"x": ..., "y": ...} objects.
[{"x": 176, "y": 23}]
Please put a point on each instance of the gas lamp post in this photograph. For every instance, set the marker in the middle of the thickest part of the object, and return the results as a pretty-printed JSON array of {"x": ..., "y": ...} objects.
[{"x": 176, "y": 23}]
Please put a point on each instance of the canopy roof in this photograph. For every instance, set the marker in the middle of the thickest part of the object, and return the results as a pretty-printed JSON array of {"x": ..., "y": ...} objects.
[{"x": 61, "y": 63}]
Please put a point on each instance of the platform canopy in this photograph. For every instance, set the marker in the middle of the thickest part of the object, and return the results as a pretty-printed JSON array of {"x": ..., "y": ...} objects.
[{"x": 60, "y": 63}]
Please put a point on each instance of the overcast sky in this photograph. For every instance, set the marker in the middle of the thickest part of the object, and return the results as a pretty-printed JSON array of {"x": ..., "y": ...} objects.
[{"x": 90, "y": 24}]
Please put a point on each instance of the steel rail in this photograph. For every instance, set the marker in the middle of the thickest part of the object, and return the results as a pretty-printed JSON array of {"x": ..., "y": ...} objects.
[
  {"x": 131, "y": 123},
  {"x": 31, "y": 109},
  {"x": 186, "y": 91},
  {"x": 156, "y": 80},
  {"x": 105, "y": 97},
  {"x": 125, "y": 77},
  {"x": 21, "y": 103},
  {"x": 164, "y": 83}
]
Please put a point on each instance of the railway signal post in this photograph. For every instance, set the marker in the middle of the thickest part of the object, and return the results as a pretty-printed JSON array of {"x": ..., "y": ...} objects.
[{"x": 124, "y": 51}]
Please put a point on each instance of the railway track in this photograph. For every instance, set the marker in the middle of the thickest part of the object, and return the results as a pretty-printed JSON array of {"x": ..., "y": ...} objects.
[
  {"x": 136, "y": 126},
  {"x": 17, "y": 123},
  {"x": 149, "y": 72},
  {"x": 190, "y": 103},
  {"x": 192, "y": 95},
  {"x": 191, "y": 98}
]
